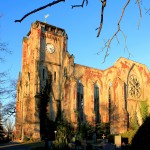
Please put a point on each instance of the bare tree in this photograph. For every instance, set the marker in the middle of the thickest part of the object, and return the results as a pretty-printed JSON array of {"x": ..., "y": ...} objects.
[
  {"x": 3, "y": 48},
  {"x": 7, "y": 86},
  {"x": 107, "y": 43},
  {"x": 9, "y": 109},
  {"x": 9, "y": 127},
  {"x": 4, "y": 88}
]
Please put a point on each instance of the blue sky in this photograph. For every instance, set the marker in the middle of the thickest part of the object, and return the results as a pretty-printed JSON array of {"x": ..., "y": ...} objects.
[{"x": 80, "y": 25}]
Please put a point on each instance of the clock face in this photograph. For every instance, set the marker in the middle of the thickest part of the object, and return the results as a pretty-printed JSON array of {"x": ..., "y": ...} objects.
[{"x": 50, "y": 48}]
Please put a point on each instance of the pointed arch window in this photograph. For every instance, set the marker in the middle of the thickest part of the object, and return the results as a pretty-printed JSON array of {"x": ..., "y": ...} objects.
[
  {"x": 80, "y": 101},
  {"x": 29, "y": 76},
  {"x": 49, "y": 77},
  {"x": 109, "y": 101},
  {"x": 55, "y": 76},
  {"x": 96, "y": 103},
  {"x": 65, "y": 72}
]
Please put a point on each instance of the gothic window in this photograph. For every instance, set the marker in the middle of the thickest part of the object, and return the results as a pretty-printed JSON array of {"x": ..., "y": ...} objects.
[
  {"x": 54, "y": 76},
  {"x": 29, "y": 76},
  {"x": 26, "y": 88},
  {"x": 96, "y": 103},
  {"x": 134, "y": 88},
  {"x": 109, "y": 101},
  {"x": 80, "y": 103},
  {"x": 65, "y": 72},
  {"x": 49, "y": 77},
  {"x": 28, "y": 84}
]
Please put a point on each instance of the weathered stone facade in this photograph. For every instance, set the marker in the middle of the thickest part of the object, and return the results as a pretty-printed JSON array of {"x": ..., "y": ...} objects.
[{"x": 112, "y": 95}]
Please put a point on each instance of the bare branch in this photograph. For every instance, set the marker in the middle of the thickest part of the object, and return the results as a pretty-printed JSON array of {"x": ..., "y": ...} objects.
[
  {"x": 108, "y": 43},
  {"x": 3, "y": 48},
  {"x": 139, "y": 5},
  {"x": 7, "y": 88},
  {"x": 40, "y": 8},
  {"x": 117, "y": 40},
  {"x": 125, "y": 44},
  {"x": 103, "y": 48},
  {"x": 147, "y": 11},
  {"x": 81, "y": 4},
  {"x": 123, "y": 10},
  {"x": 2, "y": 74},
  {"x": 101, "y": 20},
  {"x": 103, "y": 2},
  {"x": 9, "y": 109},
  {"x": 8, "y": 126}
]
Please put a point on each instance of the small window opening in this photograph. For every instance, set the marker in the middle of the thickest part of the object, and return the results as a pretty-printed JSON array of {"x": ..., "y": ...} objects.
[{"x": 54, "y": 76}]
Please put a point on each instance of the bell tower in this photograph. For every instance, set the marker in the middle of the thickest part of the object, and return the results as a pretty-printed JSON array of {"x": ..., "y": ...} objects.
[{"x": 40, "y": 83}]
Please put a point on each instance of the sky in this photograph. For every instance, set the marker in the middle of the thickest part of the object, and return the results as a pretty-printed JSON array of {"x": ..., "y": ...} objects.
[{"x": 80, "y": 25}]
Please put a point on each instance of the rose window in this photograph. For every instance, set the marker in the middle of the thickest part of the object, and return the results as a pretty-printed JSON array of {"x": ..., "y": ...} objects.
[{"x": 134, "y": 89}]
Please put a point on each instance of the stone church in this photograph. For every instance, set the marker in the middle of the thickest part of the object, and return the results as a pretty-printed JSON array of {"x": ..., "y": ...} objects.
[{"x": 50, "y": 79}]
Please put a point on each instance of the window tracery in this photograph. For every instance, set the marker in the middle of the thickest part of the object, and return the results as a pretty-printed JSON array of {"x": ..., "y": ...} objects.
[{"x": 134, "y": 87}]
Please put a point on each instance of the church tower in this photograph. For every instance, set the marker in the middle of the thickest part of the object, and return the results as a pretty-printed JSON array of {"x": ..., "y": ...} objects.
[{"x": 40, "y": 83}]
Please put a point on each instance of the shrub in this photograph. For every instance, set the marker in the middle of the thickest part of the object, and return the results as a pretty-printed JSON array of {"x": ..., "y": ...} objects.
[
  {"x": 129, "y": 134},
  {"x": 25, "y": 139},
  {"x": 64, "y": 130}
]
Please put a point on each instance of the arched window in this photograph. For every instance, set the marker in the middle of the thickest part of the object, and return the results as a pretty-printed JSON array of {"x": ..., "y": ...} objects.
[
  {"x": 96, "y": 103},
  {"x": 109, "y": 101},
  {"x": 49, "y": 74},
  {"x": 29, "y": 76},
  {"x": 55, "y": 76},
  {"x": 80, "y": 101},
  {"x": 65, "y": 72}
]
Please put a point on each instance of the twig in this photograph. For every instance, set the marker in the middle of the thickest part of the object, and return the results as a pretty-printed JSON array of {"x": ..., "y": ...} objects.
[
  {"x": 108, "y": 43},
  {"x": 81, "y": 5},
  {"x": 38, "y": 9},
  {"x": 103, "y": 48},
  {"x": 139, "y": 5},
  {"x": 147, "y": 11},
  {"x": 117, "y": 40},
  {"x": 125, "y": 44}
]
